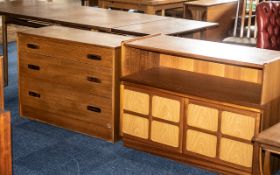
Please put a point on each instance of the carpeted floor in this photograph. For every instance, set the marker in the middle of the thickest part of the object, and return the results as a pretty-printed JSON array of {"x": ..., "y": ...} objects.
[{"x": 40, "y": 149}]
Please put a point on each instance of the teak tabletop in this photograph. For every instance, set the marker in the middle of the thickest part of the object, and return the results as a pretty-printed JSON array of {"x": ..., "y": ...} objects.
[{"x": 172, "y": 26}]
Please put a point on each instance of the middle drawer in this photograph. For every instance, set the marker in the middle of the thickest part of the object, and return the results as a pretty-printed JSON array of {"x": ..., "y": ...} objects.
[{"x": 93, "y": 79}]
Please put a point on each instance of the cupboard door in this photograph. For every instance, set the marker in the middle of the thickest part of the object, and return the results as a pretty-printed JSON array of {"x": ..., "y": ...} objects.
[
  {"x": 136, "y": 101},
  {"x": 165, "y": 108},
  {"x": 201, "y": 143},
  {"x": 238, "y": 125},
  {"x": 136, "y": 126},
  {"x": 202, "y": 117},
  {"x": 236, "y": 152},
  {"x": 164, "y": 133}
]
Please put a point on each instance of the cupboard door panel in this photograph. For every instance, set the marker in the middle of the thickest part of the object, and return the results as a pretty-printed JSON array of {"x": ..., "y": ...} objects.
[
  {"x": 136, "y": 101},
  {"x": 201, "y": 143},
  {"x": 238, "y": 125},
  {"x": 167, "y": 109},
  {"x": 136, "y": 126},
  {"x": 236, "y": 152},
  {"x": 164, "y": 133},
  {"x": 202, "y": 117}
]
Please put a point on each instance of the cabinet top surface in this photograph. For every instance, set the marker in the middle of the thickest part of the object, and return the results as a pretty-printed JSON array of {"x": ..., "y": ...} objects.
[
  {"x": 207, "y": 3},
  {"x": 81, "y": 36},
  {"x": 207, "y": 50}
]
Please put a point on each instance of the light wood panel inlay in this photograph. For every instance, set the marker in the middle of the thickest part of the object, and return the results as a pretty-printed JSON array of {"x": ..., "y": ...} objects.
[
  {"x": 136, "y": 126},
  {"x": 136, "y": 101},
  {"x": 236, "y": 152},
  {"x": 165, "y": 133},
  {"x": 167, "y": 109},
  {"x": 202, "y": 117},
  {"x": 211, "y": 68},
  {"x": 201, "y": 143},
  {"x": 238, "y": 125}
]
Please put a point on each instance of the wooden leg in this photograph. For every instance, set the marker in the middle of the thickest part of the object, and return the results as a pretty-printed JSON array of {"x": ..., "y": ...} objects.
[
  {"x": 5, "y": 144},
  {"x": 256, "y": 170},
  {"x": 150, "y": 10},
  {"x": 5, "y": 49},
  {"x": 197, "y": 14},
  {"x": 266, "y": 168},
  {"x": 162, "y": 12},
  {"x": 82, "y": 2}
]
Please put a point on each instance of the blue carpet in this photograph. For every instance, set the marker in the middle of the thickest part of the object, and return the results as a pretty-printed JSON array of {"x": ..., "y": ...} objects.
[{"x": 40, "y": 149}]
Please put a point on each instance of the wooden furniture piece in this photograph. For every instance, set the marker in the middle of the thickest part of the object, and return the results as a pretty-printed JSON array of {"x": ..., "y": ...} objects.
[
  {"x": 5, "y": 143},
  {"x": 175, "y": 27},
  {"x": 269, "y": 141},
  {"x": 219, "y": 11},
  {"x": 147, "y": 6},
  {"x": 5, "y": 132},
  {"x": 70, "y": 78},
  {"x": 244, "y": 32},
  {"x": 197, "y": 101},
  {"x": 76, "y": 16}
]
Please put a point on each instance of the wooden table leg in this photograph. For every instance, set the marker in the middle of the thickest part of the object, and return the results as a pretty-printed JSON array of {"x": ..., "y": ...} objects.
[
  {"x": 5, "y": 49},
  {"x": 150, "y": 10},
  {"x": 162, "y": 12},
  {"x": 5, "y": 144},
  {"x": 266, "y": 168}
]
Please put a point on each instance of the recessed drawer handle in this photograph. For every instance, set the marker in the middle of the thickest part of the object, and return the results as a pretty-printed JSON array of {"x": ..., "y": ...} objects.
[
  {"x": 94, "y": 57},
  {"x": 33, "y": 67},
  {"x": 94, "y": 79},
  {"x": 34, "y": 94},
  {"x": 94, "y": 109},
  {"x": 33, "y": 46}
]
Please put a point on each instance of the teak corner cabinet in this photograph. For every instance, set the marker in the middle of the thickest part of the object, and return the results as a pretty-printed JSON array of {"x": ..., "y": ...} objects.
[
  {"x": 198, "y": 102},
  {"x": 70, "y": 78}
]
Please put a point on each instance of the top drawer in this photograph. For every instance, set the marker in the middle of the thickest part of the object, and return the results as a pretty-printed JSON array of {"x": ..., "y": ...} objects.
[{"x": 88, "y": 54}]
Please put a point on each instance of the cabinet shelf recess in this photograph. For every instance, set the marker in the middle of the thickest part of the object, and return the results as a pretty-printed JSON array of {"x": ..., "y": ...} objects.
[{"x": 199, "y": 85}]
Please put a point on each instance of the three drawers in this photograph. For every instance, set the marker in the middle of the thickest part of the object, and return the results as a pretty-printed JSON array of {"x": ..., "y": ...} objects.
[{"x": 69, "y": 84}]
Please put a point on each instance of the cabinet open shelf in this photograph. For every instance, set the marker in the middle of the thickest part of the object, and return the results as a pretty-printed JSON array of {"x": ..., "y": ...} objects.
[{"x": 199, "y": 85}]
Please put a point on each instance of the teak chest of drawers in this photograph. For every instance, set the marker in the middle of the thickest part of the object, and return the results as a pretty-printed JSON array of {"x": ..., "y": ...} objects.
[
  {"x": 69, "y": 78},
  {"x": 198, "y": 102}
]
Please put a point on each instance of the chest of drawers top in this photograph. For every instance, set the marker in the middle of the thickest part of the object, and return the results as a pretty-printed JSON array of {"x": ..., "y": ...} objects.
[{"x": 100, "y": 39}]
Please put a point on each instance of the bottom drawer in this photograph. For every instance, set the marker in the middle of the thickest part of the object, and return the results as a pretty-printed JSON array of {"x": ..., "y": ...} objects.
[
  {"x": 90, "y": 111},
  {"x": 67, "y": 122}
]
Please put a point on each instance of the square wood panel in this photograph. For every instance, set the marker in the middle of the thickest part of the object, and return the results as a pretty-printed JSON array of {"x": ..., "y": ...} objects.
[
  {"x": 136, "y": 126},
  {"x": 201, "y": 143},
  {"x": 164, "y": 133},
  {"x": 236, "y": 152},
  {"x": 202, "y": 117},
  {"x": 136, "y": 101},
  {"x": 165, "y": 108},
  {"x": 238, "y": 125}
]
